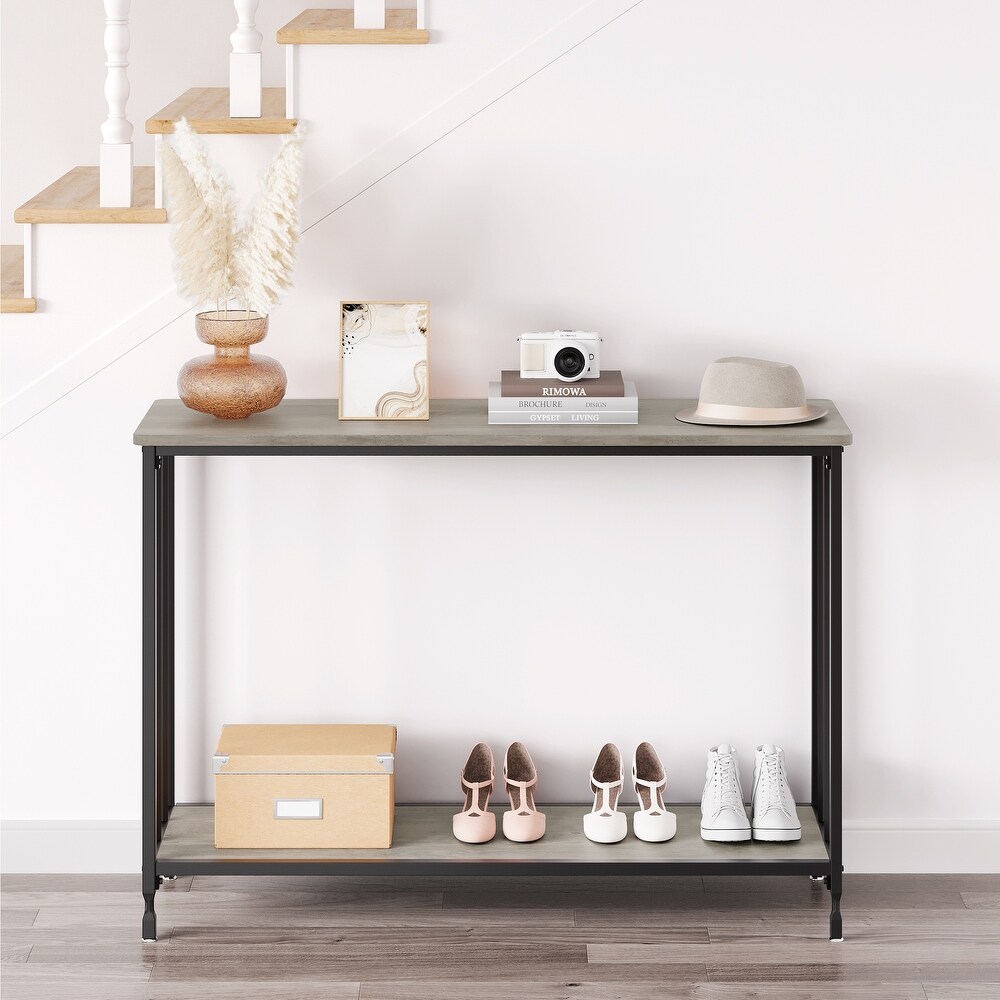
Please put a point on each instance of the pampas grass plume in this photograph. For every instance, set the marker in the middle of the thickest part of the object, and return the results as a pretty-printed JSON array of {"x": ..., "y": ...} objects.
[
  {"x": 215, "y": 258},
  {"x": 265, "y": 245}
]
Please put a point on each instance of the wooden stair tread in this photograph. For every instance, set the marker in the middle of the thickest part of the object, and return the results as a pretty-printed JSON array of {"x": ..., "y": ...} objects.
[
  {"x": 207, "y": 111},
  {"x": 75, "y": 197},
  {"x": 12, "y": 298},
  {"x": 336, "y": 27}
]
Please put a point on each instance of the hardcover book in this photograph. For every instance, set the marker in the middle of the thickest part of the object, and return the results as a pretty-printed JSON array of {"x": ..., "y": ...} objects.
[
  {"x": 499, "y": 403},
  {"x": 610, "y": 383},
  {"x": 562, "y": 417}
]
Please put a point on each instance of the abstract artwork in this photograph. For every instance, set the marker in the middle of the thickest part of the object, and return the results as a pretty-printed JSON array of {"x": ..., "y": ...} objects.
[{"x": 383, "y": 361}]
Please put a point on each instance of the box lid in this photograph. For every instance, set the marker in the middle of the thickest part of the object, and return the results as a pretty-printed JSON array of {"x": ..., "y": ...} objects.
[{"x": 293, "y": 749}]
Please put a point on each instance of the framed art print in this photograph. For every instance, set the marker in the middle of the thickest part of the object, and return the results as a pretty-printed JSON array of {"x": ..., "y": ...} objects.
[{"x": 383, "y": 361}]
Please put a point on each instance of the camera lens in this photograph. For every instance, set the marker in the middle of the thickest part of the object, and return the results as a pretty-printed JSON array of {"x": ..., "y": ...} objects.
[{"x": 570, "y": 363}]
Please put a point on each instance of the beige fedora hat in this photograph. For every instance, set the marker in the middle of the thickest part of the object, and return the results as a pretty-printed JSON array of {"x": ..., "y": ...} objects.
[{"x": 745, "y": 392}]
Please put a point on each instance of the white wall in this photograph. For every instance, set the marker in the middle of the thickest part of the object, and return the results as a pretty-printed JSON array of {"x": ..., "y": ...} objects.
[{"x": 812, "y": 183}]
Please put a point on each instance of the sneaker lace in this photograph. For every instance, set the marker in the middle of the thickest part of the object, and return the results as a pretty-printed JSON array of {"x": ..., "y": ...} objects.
[
  {"x": 774, "y": 782},
  {"x": 725, "y": 783}
]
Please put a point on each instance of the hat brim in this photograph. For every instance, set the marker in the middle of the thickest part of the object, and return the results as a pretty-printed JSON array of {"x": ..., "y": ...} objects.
[{"x": 692, "y": 416}]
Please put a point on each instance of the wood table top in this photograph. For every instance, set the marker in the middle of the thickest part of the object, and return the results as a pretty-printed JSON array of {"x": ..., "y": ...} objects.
[{"x": 461, "y": 424}]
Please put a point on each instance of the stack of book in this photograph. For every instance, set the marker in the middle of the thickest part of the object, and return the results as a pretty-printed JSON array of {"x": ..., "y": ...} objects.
[{"x": 605, "y": 400}]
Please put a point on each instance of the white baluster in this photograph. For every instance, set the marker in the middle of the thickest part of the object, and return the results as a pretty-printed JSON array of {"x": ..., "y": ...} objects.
[
  {"x": 291, "y": 80},
  {"x": 116, "y": 149},
  {"x": 158, "y": 171},
  {"x": 29, "y": 261},
  {"x": 244, "y": 62},
  {"x": 421, "y": 14},
  {"x": 369, "y": 13}
]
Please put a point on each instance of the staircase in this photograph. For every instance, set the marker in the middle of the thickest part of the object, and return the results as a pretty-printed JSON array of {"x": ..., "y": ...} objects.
[
  {"x": 118, "y": 193},
  {"x": 99, "y": 300}
]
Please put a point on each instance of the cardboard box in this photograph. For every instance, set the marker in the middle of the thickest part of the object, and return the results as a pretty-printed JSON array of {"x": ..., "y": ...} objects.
[{"x": 304, "y": 786}]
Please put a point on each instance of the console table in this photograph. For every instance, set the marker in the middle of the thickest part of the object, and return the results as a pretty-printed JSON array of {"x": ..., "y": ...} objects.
[{"x": 179, "y": 839}]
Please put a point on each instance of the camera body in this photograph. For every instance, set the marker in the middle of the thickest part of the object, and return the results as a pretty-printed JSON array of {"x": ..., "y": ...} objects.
[{"x": 567, "y": 355}]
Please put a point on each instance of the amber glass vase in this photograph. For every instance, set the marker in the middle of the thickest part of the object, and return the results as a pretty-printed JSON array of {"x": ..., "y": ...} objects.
[{"x": 232, "y": 383}]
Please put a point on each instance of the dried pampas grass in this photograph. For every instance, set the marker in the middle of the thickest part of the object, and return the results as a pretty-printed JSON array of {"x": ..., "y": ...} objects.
[
  {"x": 203, "y": 213},
  {"x": 265, "y": 246},
  {"x": 215, "y": 258}
]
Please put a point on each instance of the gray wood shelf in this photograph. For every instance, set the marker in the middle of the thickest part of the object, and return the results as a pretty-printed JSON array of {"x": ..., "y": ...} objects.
[
  {"x": 423, "y": 835},
  {"x": 461, "y": 423}
]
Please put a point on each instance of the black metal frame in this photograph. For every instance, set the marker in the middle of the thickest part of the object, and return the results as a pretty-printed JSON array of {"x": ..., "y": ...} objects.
[{"x": 158, "y": 680}]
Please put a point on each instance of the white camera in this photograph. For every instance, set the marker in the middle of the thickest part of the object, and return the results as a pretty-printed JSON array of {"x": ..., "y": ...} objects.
[{"x": 567, "y": 355}]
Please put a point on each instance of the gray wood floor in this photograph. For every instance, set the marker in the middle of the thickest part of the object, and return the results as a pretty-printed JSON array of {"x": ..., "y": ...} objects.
[{"x": 931, "y": 937}]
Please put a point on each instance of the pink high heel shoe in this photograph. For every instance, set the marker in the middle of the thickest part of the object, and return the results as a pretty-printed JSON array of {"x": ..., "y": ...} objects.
[
  {"x": 475, "y": 824},
  {"x": 523, "y": 823}
]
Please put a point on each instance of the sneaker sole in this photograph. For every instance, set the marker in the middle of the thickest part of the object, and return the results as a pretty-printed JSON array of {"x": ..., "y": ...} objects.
[
  {"x": 725, "y": 836},
  {"x": 777, "y": 835}
]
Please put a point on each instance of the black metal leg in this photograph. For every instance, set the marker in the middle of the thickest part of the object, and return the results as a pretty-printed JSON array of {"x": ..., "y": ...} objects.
[
  {"x": 150, "y": 805},
  {"x": 149, "y": 917},
  {"x": 817, "y": 611},
  {"x": 821, "y": 641},
  {"x": 167, "y": 472},
  {"x": 161, "y": 659},
  {"x": 836, "y": 703},
  {"x": 826, "y": 668}
]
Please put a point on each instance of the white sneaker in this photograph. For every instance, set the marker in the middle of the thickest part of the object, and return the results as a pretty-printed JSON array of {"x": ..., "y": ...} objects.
[
  {"x": 774, "y": 816},
  {"x": 723, "y": 817}
]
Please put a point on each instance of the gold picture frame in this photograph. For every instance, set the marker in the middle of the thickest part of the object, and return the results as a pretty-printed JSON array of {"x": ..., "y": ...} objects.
[{"x": 384, "y": 361}]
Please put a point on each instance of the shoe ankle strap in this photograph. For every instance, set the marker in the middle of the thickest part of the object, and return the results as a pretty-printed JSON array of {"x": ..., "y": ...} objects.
[
  {"x": 607, "y": 785},
  {"x": 521, "y": 784},
  {"x": 475, "y": 785},
  {"x": 649, "y": 784}
]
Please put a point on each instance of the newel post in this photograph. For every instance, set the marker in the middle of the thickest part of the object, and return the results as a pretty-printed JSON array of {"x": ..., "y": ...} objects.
[
  {"x": 116, "y": 132},
  {"x": 369, "y": 13},
  {"x": 244, "y": 62}
]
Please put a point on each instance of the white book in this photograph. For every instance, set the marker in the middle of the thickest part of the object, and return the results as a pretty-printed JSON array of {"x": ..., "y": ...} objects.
[
  {"x": 629, "y": 403},
  {"x": 557, "y": 417}
]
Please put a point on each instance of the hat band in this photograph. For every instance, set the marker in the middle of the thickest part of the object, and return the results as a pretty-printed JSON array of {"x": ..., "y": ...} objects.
[{"x": 722, "y": 411}]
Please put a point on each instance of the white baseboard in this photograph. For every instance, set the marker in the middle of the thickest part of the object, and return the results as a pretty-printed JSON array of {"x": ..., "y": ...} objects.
[
  {"x": 109, "y": 846},
  {"x": 905, "y": 846},
  {"x": 69, "y": 846}
]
